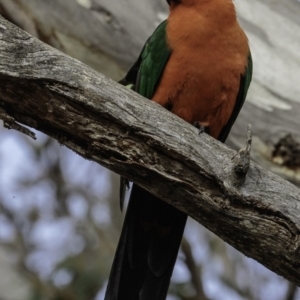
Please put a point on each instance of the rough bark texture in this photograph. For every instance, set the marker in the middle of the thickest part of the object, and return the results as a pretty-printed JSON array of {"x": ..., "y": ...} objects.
[
  {"x": 108, "y": 36},
  {"x": 102, "y": 121}
]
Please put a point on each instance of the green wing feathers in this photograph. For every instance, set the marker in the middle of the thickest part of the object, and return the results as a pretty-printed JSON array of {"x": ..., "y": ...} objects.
[
  {"x": 144, "y": 75},
  {"x": 154, "y": 58}
]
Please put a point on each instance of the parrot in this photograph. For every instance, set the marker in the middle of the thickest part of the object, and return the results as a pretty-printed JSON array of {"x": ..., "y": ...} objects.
[{"x": 198, "y": 65}]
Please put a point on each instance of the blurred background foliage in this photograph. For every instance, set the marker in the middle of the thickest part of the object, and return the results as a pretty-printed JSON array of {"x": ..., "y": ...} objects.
[{"x": 60, "y": 222}]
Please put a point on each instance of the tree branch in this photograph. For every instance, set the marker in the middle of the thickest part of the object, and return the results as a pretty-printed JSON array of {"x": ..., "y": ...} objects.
[
  {"x": 101, "y": 34},
  {"x": 291, "y": 292},
  {"x": 105, "y": 122},
  {"x": 194, "y": 270},
  {"x": 9, "y": 123}
]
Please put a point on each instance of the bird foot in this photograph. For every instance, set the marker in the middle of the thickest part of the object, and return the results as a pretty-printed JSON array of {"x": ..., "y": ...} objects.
[{"x": 202, "y": 127}]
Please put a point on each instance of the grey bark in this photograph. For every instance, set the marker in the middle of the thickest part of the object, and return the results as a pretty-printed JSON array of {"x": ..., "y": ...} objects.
[
  {"x": 103, "y": 121},
  {"x": 108, "y": 36}
]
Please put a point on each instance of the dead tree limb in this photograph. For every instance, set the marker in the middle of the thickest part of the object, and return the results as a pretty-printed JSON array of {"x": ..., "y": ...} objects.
[
  {"x": 103, "y": 121},
  {"x": 102, "y": 34}
]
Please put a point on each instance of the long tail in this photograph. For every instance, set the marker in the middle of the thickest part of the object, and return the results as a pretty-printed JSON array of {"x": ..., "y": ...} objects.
[{"x": 147, "y": 249}]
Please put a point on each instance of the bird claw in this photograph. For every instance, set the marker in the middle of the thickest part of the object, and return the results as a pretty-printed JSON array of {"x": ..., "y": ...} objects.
[{"x": 201, "y": 128}]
